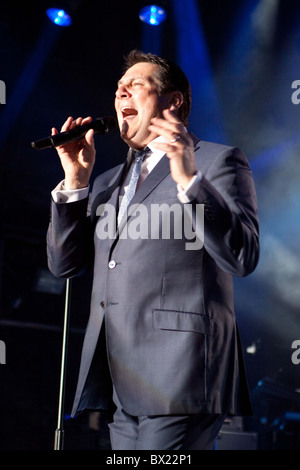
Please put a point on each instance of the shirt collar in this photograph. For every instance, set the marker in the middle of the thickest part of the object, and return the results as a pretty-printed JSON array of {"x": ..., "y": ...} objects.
[{"x": 154, "y": 150}]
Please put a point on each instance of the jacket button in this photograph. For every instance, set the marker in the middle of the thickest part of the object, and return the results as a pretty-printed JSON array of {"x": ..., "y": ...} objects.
[
  {"x": 102, "y": 304},
  {"x": 112, "y": 264}
]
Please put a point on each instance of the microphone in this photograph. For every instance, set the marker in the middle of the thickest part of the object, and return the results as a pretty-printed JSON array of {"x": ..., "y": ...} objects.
[{"x": 101, "y": 125}]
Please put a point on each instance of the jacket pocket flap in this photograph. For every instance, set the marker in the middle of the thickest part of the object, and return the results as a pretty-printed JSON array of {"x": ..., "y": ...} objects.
[{"x": 182, "y": 321}]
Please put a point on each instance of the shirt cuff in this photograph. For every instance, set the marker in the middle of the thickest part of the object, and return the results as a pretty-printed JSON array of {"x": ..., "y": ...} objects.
[
  {"x": 189, "y": 193},
  {"x": 61, "y": 195}
]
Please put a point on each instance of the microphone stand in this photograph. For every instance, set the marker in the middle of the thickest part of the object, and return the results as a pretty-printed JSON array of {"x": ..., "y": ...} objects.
[{"x": 59, "y": 433}]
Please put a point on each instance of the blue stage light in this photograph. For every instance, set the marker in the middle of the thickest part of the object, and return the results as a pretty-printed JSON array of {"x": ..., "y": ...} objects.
[
  {"x": 59, "y": 17},
  {"x": 153, "y": 15}
]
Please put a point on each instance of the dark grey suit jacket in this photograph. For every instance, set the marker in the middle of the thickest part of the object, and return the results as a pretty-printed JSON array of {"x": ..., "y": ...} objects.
[{"x": 170, "y": 333}]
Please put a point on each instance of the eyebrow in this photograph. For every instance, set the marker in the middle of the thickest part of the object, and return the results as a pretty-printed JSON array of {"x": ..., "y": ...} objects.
[{"x": 130, "y": 79}]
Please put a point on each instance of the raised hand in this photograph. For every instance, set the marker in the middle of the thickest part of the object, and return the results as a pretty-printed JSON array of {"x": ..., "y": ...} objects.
[{"x": 179, "y": 147}]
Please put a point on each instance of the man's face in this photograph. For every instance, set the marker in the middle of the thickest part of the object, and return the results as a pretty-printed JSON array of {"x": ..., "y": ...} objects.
[{"x": 137, "y": 101}]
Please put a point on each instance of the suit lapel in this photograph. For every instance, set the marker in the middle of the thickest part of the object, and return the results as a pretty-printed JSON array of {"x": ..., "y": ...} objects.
[
  {"x": 112, "y": 191},
  {"x": 159, "y": 172}
]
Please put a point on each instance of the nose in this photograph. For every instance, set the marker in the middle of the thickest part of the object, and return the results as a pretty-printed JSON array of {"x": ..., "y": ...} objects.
[{"x": 122, "y": 92}]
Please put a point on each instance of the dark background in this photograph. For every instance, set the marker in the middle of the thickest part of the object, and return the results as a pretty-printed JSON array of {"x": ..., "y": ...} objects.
[{"x": 241, "y": 58}]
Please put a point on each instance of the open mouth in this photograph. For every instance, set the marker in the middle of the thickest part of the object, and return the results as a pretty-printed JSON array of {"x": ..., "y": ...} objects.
[{"x": 128, "y": 112}]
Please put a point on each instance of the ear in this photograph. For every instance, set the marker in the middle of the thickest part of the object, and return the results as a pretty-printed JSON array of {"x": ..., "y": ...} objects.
[{"x": 175, "y": 100}]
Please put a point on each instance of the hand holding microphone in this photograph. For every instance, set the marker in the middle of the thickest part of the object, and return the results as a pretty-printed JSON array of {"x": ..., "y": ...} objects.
[
  {"x": 75, "y": 147},
  {"x": 101, "y": 125}
]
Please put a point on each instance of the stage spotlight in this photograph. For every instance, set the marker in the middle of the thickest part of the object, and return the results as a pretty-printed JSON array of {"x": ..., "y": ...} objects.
[
  {"x": 153, "y": 15},
  {"x": 59, "y": 17}
]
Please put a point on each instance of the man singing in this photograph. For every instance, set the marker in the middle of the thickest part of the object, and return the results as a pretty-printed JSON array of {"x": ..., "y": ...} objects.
[{"x": 162, "y": 341}]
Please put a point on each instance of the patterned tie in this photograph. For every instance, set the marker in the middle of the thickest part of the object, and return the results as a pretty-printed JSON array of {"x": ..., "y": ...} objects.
[{"x": 138, "y": 159}]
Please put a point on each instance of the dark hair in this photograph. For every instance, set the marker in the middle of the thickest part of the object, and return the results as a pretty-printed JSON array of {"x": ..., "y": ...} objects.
[{"x": 171, "y": 78}]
